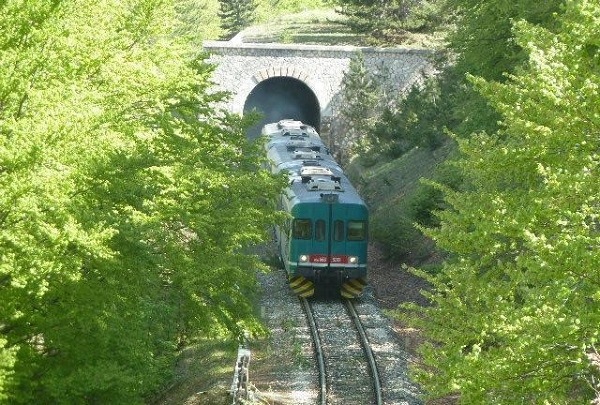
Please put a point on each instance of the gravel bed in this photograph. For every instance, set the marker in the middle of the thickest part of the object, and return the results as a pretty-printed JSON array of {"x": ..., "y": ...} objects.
[
  {"x": 348, "y": 375},
  {"x": 389, "y": 352},
  {"x": 285, "y": 372}
]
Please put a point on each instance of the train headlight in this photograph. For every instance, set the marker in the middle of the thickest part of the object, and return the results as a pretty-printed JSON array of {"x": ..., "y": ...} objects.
[
  {"x": 353, "y": 260},
  {"x": 303, "y": 258}
]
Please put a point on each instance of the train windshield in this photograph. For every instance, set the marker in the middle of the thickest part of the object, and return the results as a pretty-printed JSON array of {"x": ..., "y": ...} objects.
[
  {"x": 357, "y": 230},
  {"x": 302, "y": 229}
]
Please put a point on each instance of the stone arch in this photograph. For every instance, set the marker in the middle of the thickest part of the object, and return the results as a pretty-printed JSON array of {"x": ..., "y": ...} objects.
[
  {"x": 276, "y": 71},
  {"x": 280, "y": 93}
]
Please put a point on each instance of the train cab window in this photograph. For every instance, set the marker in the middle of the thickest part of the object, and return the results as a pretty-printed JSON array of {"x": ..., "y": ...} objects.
[
  {"x": 338, "y": 230},
  {"x": 320, "y": 230},
  {"x": 357, "y": 230},
  {"x": 302, "y": 229}
]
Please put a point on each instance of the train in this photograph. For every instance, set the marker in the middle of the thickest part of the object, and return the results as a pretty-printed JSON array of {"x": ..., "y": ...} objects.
[{"x": 323, "y": 243}]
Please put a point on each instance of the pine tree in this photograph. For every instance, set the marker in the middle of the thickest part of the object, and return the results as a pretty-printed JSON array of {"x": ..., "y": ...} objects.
[
  {"x": 236, "y": 15},
  {"x": 388, "y": 21},
  {"x": 360, "y": 96}
]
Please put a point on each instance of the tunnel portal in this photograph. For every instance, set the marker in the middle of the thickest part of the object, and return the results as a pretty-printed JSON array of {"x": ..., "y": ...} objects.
[{"x": 283, "y": 97}]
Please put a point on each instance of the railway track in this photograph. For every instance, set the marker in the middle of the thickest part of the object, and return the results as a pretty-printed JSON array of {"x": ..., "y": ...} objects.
[{"x": 347, "y": 369}]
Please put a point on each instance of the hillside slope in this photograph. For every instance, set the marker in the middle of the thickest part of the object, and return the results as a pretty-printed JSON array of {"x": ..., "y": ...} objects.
[{"x": 395, "y": 193}]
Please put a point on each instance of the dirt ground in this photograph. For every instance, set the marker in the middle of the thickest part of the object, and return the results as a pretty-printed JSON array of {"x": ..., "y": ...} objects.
[{"x": 392, "y": 284}]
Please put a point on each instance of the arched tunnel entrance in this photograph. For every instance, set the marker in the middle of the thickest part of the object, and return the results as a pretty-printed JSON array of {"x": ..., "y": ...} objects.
[{"x": 283, "y": 97}]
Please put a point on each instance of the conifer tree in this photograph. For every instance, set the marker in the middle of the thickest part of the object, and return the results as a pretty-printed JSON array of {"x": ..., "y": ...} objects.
[
  {"x": 360, "y": 96},
  {"x": 388, "y": 21},
  {"x": 236, "y": 15}
]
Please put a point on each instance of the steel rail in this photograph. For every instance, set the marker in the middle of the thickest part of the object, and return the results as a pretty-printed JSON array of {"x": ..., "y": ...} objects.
[
  {"x": 318, "y": 349},
  {"x": 368, "y": 351}
]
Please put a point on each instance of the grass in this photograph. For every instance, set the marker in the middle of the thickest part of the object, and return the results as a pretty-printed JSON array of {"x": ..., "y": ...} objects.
[
  {"x": 203, "y": 374},
  {"x": 390, "y": 180},
  {"x": 323, "y": 26},
  {"x": 392, "y": 189},
  {"x": 318, "y": 26}
]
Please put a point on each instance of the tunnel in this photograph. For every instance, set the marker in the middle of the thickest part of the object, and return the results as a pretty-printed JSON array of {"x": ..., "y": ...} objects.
[{"x": 282, "y": 97}]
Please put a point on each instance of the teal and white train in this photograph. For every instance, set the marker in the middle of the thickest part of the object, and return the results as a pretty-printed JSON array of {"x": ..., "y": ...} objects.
[{"x": 324, "y": 242}]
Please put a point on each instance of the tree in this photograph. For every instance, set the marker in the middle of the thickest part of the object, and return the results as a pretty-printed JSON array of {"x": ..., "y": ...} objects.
[
  {"x": 196, "y": 20},
  {"x": 360, "y": 98},
  {"x": 480, "y": 43},
  {"x": 483, "y": 44},
  {"x": 127, "y": 202},
  {"x": 236, "y": 15},
  {"x": 389, "y": 21},
  {"x": 514, "y": 314}
]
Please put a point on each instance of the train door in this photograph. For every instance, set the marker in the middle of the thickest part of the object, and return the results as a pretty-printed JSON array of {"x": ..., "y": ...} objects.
[
  {"x": 349, "y": 239},
  {"x": 339, "y": 216},
  {"x": 320, "y": 245}
]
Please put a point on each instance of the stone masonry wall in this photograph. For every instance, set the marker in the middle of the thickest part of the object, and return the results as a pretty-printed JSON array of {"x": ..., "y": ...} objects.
[{"x": 241, "y": 66}]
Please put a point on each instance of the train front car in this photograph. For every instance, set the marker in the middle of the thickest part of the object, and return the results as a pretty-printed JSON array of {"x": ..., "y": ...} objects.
[{"x": 324, "y": 244}]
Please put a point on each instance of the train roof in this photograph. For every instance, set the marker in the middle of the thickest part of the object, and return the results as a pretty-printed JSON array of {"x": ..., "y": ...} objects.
[
  {"x": 315, "y": 176},
  {"x": 289, "y": 128}
]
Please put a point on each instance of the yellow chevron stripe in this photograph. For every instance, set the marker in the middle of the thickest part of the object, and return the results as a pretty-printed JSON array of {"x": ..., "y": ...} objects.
[
  {"x": 308, "y": 293},
  {"x": 346, "y": 295},
  {"x": 353, "y": 288},
  {"x": 302, "y": 286},
  {"x": 358, "y": 283},
  {"x": 298, "y": 280}
]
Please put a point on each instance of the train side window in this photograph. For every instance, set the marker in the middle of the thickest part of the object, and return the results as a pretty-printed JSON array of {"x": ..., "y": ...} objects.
[
  {"x": 320, "y": 230},
  {"x": 302, "y": 229},
  {"x": 338, "y": 230},
  {"x": 357, "y": 230}
]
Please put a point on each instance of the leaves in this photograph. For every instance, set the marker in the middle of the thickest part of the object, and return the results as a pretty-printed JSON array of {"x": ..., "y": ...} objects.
[
  {"x": 236, "y": 15},
  {"x": 514, "y": 314},
  {"x": 128, "y": 202}
]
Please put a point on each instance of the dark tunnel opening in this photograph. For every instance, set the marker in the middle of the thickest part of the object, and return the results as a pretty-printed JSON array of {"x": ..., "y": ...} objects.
[{"x": 282, "y": 97}]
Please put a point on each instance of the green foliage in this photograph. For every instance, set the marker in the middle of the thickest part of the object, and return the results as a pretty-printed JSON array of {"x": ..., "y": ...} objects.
[
  {"x": 483, "y": 37},
  {"x": 483, "y": 45},
  {"x": 398, "y": 233},
  {"x": 236, "y": 15},
  {"x": 515, "y": 312},
  {"x": 126, "y": 202},
  {"x": 428, "y": 198},
  {"x": 398, "y": 222},
  {"x": 197, "y": 20},
  {"x": 481, "y": 42},
  {"x": 280, "y": 7},
  {"x": 389, "y": 21},
  {"x": 281, "y": 14},
  {"x": 361, "y": 95},
  {"x": 418, "y": 120}
]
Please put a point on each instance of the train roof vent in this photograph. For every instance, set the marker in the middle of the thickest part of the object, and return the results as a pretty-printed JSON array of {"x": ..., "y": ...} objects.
[
  {"x": 305, "y": 153},
  {"x": 297, "y": 143},
  {"x": 294, "y": 134},
  {"x": 315, "y": 171},
  {"x": 287, "y": 123},
  {"x": 311, "y": 163},
  {"x": 293, "y": 145},
  {"x": 321, "y": 184}
]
